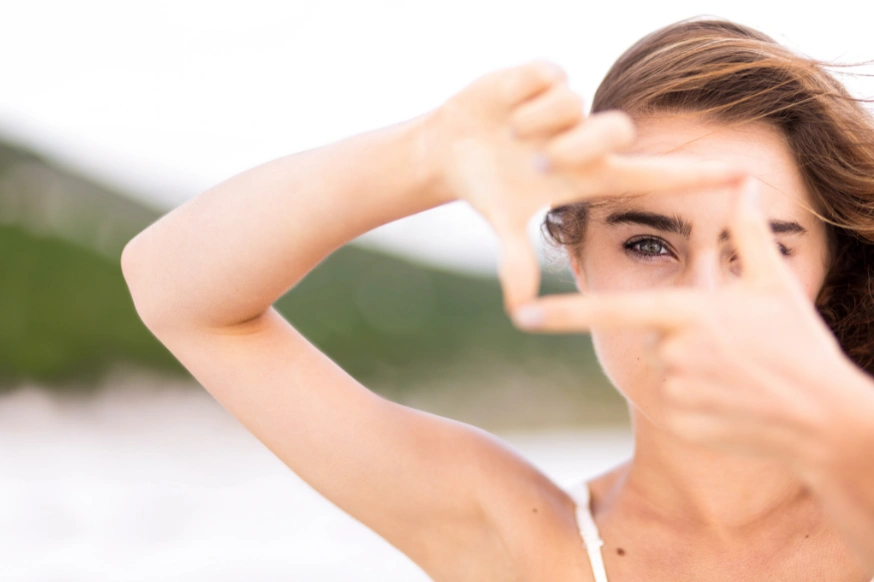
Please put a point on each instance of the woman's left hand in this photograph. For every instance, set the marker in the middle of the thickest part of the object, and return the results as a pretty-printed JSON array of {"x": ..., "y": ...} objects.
[{"x": 750, "y": 367}]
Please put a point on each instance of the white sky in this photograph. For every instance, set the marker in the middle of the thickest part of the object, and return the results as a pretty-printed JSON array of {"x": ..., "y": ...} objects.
[{"x": 167, "y": 97}]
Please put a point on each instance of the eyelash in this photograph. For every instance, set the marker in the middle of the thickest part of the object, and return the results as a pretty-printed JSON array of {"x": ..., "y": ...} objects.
[{"x": 631, "y": 244}]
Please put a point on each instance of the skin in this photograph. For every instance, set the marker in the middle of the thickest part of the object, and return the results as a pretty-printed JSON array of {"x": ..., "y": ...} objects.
[
  {"x": 735, "y": 507},
  {"x": 737, "y": 390},
  {"x": 203, "y": 278}
]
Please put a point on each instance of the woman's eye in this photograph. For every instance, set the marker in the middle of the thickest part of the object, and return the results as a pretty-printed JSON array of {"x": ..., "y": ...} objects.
[
  {"x": 784, "y": 250},
  {"x": 647, "y": 247}
]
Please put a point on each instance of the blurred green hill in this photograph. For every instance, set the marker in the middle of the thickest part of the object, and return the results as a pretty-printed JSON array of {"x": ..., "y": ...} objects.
[{"x": 66, "y": 317}]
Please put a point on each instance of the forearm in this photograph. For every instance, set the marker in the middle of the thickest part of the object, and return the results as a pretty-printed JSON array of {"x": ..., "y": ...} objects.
[
  {"x": 226, "y": 255},
  {"x": 841, "y": 473}
]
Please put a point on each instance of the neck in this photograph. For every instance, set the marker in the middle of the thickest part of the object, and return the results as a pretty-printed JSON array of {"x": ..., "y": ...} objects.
[{"x": 726, "y": 495}]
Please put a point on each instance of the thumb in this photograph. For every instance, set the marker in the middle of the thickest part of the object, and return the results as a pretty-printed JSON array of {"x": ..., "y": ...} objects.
[{"x": 518, "y": 270}]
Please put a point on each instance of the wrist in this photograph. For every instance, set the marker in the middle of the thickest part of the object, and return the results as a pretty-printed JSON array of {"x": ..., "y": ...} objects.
[{"x": 428, "y": 159}]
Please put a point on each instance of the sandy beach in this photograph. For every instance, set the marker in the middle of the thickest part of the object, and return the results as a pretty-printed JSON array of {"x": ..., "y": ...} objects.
[{"x": 144, "y": 483}]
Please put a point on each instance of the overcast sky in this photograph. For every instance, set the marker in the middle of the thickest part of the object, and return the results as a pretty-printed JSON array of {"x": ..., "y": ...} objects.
[{"x": 168, "y": 97}]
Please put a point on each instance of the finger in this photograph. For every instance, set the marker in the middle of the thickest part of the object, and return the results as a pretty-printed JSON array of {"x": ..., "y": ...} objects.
[
  {"x": 651, "y": 351},
  {"x": 617, "y": 175},
  {"x": 519, "y": 270},
  {"x": 544, "y": 116},
  {"x": 602, "y": 133},
  {"x": 695, "y": 426},
  {"x": 753, "y": 238},
  {"x": 526, "y": 81},
  {"x": 666, "y": 311},
  {"x": 641, "y": 174}
]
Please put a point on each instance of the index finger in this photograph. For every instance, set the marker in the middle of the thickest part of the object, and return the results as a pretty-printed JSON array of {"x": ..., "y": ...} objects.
[
  {"x": 667, "y": 311},
  {"x": 523, "y": 82},
  {"x": 753, "y": 238},
  {"x": 662, "y": 173},
  {"x": 620, "y": 175},
  {"x": 519, "y": 270}
]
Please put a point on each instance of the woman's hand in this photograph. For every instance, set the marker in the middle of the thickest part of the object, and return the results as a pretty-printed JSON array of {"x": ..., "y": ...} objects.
[
  {"x": 750, "y": 368},
  {"x": 517, "y": 140}
]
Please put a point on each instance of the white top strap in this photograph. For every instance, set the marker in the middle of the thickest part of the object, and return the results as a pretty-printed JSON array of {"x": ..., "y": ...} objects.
[{"x": 589, "y": 531}]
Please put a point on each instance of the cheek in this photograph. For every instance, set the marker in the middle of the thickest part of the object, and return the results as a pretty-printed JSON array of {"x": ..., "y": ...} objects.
[
  {"x": 622, "y": 356},
  {"x": 811, "y": 274}
]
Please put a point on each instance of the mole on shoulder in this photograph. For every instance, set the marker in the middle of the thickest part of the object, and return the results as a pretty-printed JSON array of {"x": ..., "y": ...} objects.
[
  {"x": 533, "y": 510},
  {"x": 620, "y": 551}
]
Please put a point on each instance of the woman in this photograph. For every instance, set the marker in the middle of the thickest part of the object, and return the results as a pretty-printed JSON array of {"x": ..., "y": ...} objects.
[{"x": 749, "y": 450}]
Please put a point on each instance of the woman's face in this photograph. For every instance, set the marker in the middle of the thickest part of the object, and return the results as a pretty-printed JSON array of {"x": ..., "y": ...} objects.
[{"x": 679, "y": 239}]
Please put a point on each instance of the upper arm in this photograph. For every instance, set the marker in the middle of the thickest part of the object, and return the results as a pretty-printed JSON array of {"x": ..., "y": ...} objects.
[{"x": 413, "y": 477}]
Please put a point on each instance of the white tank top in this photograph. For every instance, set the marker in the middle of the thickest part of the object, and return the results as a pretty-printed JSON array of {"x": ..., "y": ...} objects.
[{"x": 588, "y": 530}]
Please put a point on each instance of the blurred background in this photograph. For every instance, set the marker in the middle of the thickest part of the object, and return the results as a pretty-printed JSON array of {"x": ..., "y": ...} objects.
[{"x": 116, "y": 465}]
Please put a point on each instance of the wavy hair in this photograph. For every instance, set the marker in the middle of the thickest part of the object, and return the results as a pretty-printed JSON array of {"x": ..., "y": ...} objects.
[{"x": 732, "y": 73}]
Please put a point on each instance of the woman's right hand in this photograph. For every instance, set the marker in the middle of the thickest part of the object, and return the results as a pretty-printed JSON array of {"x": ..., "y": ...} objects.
[{"x": 517, "y": 140}]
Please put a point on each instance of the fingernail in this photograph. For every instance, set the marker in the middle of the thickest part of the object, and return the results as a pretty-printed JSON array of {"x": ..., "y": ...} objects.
[
  {"x": 541, "y": 163},
  {"x": 528, "y": 316}
]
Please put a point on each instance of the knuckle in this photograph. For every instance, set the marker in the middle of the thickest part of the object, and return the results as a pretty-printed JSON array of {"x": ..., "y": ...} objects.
[
  {"x": 670, "y": 392},
  {"x": 571, "y": 103},
  {"x": 675, "y": 392},
  {"x": 610, "y": 179},
  {"x": 522, "y": 80},
  {"x": 557, "y": 152},
  {"x": 545, "y": 70},
  {"x": 617, "y": 127},
  {"x": 558, "y": 109},
  {"x": 520, "y": 121},
  {"x": 673, "y": 355}
]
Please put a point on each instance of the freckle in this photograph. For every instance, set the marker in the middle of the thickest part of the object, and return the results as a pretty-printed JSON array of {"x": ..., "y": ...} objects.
[
  {"x": 620, "y": 551},
  {"x": 534, "y": 510},
  {"x": 806, "y": 535}
]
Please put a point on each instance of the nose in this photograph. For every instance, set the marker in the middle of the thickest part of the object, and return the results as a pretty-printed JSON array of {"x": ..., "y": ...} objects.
[{"x": 709, "y": 270}]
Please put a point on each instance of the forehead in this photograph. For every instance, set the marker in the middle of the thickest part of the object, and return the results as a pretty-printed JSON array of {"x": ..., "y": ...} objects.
[
  {"x": 758, "y": 148},
  {"x": 689, "y": 135}
]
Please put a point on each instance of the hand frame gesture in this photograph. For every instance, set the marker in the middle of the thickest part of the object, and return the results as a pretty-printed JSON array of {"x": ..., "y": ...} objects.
[{"x": 749, "y": 367}]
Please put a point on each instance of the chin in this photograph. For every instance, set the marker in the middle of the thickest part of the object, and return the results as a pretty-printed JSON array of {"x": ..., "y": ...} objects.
[{"x": 621, "y": 355}]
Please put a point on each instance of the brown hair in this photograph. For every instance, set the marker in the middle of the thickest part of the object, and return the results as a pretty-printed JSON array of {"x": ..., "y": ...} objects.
[{"x": 734, "y": 74}]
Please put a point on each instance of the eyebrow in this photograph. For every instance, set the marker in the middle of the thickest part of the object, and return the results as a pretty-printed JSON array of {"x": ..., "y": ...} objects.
[
  {"x": 663, "y": 222},
  {"x": 790, "y": 226},
  {"x": 678, "y": 225}
]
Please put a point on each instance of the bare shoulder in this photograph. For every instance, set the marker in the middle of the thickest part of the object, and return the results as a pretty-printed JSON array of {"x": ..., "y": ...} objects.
[
  {"x": 529, "y": 520},
  {"x": 532, "y": 517}
]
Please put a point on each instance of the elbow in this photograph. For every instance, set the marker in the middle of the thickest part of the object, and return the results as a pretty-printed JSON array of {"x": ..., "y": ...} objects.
[
  {"x": 127, "y": 260},
  {"x": 135, "y": 269}
]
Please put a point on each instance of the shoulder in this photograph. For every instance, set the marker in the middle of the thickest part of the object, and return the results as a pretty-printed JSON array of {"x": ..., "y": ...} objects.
[
  {"x": 533, "y": 518},
  {"x": 528, "y": 528}
]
